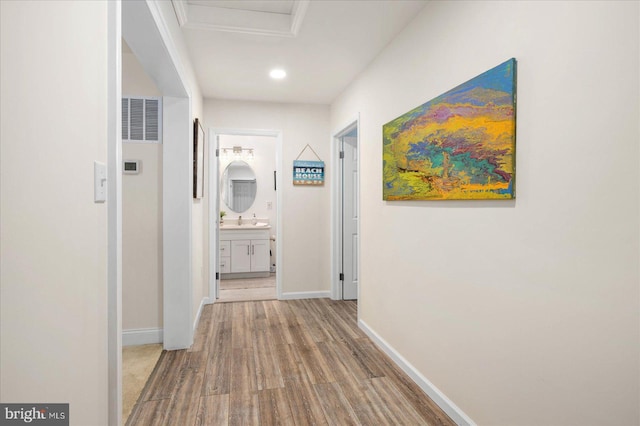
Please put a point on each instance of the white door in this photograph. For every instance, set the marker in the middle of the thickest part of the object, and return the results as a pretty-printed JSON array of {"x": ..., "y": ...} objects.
[{"x": 350, "y": 213}]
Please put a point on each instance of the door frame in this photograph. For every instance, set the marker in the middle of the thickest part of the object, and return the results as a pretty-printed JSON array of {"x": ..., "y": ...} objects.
[
  {"x": 214, "y": 208},
  {"x": 336, "y": 208},
  {"x": 114, "y": 212}
]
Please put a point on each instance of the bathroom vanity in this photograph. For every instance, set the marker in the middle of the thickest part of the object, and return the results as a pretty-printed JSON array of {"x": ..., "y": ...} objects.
[{"x": 244, "y": 251}]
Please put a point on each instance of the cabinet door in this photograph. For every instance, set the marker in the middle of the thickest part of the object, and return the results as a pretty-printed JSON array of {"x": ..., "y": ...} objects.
[
  {"x": 240, "y": 256},
  {"x": 260, "y": 255}
]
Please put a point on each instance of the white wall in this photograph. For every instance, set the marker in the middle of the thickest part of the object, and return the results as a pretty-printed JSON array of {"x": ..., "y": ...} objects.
[
  {"x": 53, "y": 271},
  {"x": 522, "y": 312},
  {"x": 305, "y": 218},
  {"x": 141, "y": 217},
  {"x": 135, "y": 80}
]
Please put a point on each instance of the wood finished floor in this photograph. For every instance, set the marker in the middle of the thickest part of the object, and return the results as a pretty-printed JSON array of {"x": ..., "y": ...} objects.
[
  {"x": 299, "y": 362},
  {"x": 243, "y": 290}
]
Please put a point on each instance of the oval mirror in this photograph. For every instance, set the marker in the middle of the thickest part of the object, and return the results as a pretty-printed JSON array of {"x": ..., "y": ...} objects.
[{"x": 238, "y": 186}]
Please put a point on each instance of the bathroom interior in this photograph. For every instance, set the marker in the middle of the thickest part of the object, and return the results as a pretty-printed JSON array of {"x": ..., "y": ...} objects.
[{"x": 247, "y": 222}]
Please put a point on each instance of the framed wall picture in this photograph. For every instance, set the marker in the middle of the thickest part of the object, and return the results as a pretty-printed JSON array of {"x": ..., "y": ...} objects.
[
  {"x": 458, "y": 146},
  {"x": 198, "y": 159}
]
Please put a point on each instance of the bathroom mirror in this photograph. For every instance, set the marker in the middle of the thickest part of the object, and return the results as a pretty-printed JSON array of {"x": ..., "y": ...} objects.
[{"x": 238, "y": 186}]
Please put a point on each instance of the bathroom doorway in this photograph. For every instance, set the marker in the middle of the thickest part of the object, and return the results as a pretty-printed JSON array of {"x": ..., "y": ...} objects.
[{"x": 245, "y": 219}]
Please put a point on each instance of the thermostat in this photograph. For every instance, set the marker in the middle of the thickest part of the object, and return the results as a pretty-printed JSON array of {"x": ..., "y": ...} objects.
[{"x": 131, "y": 167}]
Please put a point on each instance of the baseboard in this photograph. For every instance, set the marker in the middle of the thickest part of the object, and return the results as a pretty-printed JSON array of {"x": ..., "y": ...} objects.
[
  {"x": 305, "y": 295},
  {"x": 452, "y": 410},
  {"x": 141, "y": 336},
  {"x": 204, "y": 301}
]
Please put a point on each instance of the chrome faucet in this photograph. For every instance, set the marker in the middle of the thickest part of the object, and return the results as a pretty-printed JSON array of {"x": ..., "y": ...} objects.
[{"x": 239, "y": 220}]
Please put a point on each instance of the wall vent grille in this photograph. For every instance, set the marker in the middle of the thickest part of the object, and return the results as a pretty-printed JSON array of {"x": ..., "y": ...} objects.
[{"x": 142, "y": 120}]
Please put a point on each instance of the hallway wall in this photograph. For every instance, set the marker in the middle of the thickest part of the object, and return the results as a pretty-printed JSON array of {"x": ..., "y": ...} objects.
[
  {"x": 526, "y": 311},
  {"x": 53, "y": 270},
  {"x": 305, "y": 225},
  {"x": 141, "y": 217}
]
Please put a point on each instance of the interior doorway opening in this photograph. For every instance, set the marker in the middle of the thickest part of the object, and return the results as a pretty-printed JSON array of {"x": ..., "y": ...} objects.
[{"x": 245, "y": 215}]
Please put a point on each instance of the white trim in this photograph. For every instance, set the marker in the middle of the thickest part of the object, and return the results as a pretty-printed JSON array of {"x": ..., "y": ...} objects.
[
  {"x": 336, "y": 223},
  {"x": 214, "y": 261},
  {"x": 279, "y": 223},
  {"x": 297, "y": 15},
  {"x": 141, "y": 336},
  {"x": 114, "y": 212},
  {"x": 215, "y": 18},
  {"x": 180, "y": 8},
  {"x": 448, "y": 406},
  {"x": 204, "y": 301},
  {"x": 239, "y": 30},
  {"x": 212, "y": 215},
  {"x": 305, "y": 295}
]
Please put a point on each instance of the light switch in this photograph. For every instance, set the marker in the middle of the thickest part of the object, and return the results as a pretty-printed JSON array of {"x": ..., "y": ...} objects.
[
  {"x": 269, "y": 205},
  {"x": 99, "y": 182}
]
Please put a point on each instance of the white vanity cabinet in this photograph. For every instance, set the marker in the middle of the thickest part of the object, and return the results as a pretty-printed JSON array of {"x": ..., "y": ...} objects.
[
  {"x": 225, "y": 257},
  {"x": 249, "y": 256},
  {"x": 244, "y": 252}
]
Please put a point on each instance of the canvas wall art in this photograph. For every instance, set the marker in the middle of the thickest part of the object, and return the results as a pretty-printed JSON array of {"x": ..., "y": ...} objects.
[{"x": 458, "y": 146}]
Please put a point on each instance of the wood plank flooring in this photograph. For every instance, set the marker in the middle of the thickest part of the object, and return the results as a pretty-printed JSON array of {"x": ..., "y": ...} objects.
[
  {"x": 298, "y": 362},
  {"x": 243, "y": 290}
]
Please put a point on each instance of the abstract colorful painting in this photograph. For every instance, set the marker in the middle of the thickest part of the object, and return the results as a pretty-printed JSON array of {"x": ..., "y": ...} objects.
[{"x": 458, "y": 146}]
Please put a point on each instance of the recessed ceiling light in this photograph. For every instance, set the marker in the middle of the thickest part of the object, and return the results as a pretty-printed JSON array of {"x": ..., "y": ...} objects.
[{"x": 278, "y": 74}]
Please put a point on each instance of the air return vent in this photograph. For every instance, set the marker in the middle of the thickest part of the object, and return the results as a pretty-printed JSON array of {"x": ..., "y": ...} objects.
[{"x": 142, "y": 120}]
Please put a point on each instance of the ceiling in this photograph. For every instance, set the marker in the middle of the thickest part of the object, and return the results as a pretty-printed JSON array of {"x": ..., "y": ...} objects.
[{"x": 322, "y": 44}]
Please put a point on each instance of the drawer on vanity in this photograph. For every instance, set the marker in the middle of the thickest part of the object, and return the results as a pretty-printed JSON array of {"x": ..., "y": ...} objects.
[
  {"x": 225, "y": 264},
  {"x": 225, "y": 248}
]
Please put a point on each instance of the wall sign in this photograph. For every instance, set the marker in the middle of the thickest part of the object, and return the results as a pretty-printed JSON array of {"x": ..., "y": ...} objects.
[{"x": 308, "y": 172}]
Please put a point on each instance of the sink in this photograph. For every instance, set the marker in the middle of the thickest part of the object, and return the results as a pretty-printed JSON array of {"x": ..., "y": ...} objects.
[{"x": 244, "y": 225}]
